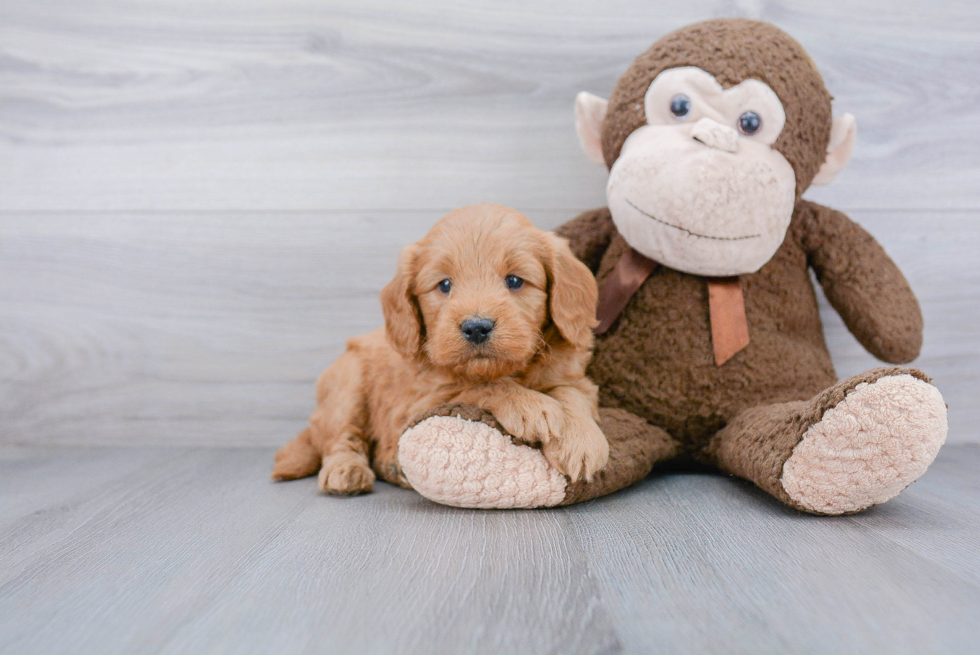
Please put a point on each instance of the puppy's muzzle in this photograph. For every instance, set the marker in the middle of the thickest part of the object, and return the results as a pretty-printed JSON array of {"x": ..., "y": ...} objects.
[{"x": 476, "y": 330}]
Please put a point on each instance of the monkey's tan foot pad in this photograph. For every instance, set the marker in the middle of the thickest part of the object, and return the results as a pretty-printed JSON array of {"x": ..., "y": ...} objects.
[
  {"x": 865, "y": 450},
  {"x": 470, "y": 463}
]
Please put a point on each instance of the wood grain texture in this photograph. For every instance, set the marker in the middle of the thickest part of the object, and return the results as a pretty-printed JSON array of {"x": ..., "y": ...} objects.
[
  {"x": 199, "y": 203},
  {"x": 196, "y": 213},
  {"x": 172, "y": 328},
  {"x": 354, "y": 104},
  {"x": 747, "y": 571},
  {"x": 194, "y": 550}
]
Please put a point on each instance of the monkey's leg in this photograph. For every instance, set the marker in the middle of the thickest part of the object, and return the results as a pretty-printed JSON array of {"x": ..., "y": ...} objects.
[
  {"x": 635, "y": 447},
  {"x": 854, "y": 445},
  {"x": 459, "y": 455},
  {"x": 384, "y": 462}
]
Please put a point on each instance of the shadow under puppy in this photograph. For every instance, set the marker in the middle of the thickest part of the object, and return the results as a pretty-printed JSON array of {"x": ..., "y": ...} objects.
[{"x": 486, "y": 310}]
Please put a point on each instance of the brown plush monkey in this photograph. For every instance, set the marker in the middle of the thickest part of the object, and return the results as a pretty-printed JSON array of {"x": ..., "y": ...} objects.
[{"x": 710, "y": 345}]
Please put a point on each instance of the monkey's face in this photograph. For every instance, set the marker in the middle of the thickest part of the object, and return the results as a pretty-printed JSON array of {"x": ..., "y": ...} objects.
[{"x": 700, "y": 188}]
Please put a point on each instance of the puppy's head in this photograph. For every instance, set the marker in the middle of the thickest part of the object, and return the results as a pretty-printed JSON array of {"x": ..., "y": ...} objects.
[{"x": 485, "y": 291}]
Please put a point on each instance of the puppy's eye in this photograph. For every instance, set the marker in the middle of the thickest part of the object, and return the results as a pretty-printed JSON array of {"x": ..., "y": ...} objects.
[
  {"x": 680, "y": 106},
  {"x": 445, "y": 286},
  {"x": 513, "y": 282},
  {"x": 749, "y": 123}
]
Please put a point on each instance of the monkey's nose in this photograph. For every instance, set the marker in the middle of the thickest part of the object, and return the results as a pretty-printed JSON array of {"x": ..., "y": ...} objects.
[
  {"x": 715, "y": 135},
  {"x": 477, "y": 330}
]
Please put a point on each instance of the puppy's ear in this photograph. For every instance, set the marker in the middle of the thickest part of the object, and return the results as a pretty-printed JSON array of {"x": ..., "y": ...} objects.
[
  {"x": 573, "y": 294},
  {"x": 403, "y": 317}
]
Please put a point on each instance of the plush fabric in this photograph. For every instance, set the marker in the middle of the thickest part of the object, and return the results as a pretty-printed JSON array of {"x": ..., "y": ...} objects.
[
  {"x": 773, "y": 413},
  {"x": 590, "y": 111},
  {"x": 867, "y": 448},
  {"x": 657, "y": 359},
  {"x": 715, "y": 135},
  {"x": 758, "y": 442},
  {"x": 843, "y": 134},
  {"x": 472, "y": 462},
  {"x": 634, "y": 447},
  {"x": 698, "y": 208},
  {"x": 707, "y": 98},
  {"x": 695, "y": 192},
  {"x": 460, "y": 455},
  {"x": 733, "y": 50}
]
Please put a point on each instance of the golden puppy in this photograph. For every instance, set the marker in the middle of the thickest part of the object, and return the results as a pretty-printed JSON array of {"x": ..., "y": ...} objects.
[{"x": 486, "y": 310}]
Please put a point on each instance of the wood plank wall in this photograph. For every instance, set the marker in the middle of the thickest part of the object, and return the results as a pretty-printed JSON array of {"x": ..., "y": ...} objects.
[{"x": 200, "y": 200}]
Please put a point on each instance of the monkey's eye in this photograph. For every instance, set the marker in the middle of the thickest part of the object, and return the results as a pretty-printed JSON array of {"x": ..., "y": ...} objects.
[
  {"x": 513, "y": 282},
  {"x": 680, "y": 105},
  {"x": 749, "y": 123},
  {"x": 445, "y": 286}
]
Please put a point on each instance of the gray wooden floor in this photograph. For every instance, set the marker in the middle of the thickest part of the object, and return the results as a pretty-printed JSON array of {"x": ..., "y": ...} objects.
[{"x": 193, "y": 550}]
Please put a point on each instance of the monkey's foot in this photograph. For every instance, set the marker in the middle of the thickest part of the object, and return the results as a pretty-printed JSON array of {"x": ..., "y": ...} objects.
[
  {"x": 470, "y": 462},
  {"x": 867, "y": 448}
]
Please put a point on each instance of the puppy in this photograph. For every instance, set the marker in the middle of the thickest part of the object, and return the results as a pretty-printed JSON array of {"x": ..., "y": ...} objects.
[{"x": 485, "y": 310}]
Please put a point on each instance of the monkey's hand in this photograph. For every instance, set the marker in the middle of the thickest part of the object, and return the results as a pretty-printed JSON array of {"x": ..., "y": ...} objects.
[{"x": 863, "y": 284}]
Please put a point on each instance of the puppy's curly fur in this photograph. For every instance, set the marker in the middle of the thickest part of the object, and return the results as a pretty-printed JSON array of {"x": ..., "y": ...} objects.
[{"x": 484, "y": 262}]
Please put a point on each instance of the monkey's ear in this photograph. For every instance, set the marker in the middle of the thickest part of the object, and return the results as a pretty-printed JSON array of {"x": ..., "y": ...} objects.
[
  {"x": 590, "y": 111},
  {"x": 842, "y": 136}
]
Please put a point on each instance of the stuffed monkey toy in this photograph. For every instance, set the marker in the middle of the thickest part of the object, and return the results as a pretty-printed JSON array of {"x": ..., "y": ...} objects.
[{"x": 710, "y": 347}]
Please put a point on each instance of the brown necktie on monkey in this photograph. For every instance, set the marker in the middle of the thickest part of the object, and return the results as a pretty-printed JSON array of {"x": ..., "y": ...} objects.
[{"x": 726, "y": 305}]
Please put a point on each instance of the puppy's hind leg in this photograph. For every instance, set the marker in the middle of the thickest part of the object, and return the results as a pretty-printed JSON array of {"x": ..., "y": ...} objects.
[
  {"x": 338, "y": 422},
  {"x": 297, "y": 459},
  {"x": 346, "y": 472}
]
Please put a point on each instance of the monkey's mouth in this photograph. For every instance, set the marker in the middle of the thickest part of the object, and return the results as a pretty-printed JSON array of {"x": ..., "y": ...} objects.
[{"x": 689, "y": 232}]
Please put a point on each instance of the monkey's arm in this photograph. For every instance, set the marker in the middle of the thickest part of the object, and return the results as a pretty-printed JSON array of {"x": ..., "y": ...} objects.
[
  {"x": 863, "y": 284},
  {"x": 589, "y": 235}
]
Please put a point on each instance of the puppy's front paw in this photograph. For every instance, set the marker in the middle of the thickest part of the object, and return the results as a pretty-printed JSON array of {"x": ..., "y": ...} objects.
[
  {"x": 346, "y": 473},
  {"x": 581, "y": 450},
  {"x": 531, "y": 418}
]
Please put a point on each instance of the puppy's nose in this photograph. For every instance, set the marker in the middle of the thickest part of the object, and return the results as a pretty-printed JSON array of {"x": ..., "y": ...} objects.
[{"x": 477, "y": 330}]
